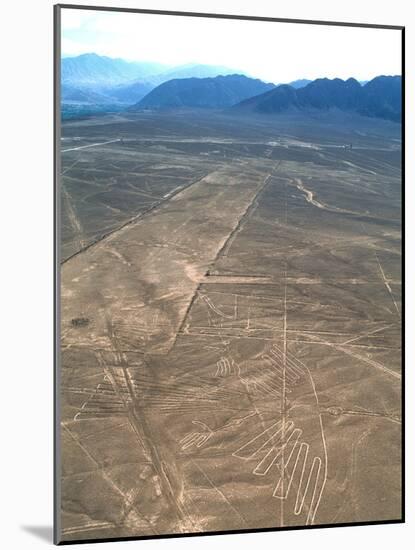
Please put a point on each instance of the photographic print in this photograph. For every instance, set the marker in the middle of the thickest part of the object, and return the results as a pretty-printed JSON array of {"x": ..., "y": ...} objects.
[{"x": 228, "y": 255}]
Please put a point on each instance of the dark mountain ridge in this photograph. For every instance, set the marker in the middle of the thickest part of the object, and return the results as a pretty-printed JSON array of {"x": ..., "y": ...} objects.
[
  {"x": 212, "y": 92},
  {"x": 102, "y": 83},
  {"x": 381, "y": 98}
]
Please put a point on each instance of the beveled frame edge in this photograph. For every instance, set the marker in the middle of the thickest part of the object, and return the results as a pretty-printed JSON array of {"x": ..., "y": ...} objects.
[
  {"x": 57, "y": 262},
  {"x": 56, "y": 274}
]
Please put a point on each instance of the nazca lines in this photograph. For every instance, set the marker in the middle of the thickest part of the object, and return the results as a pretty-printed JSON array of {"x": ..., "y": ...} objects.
[
  {"x": 124, "y": 386},
  {"x": 302, "y": 471},
  {"x": 167, "y": 398},
  {"x": 270, "y": 380},
  {"x": 283, "y": 447},
  {"x": 226, "y": 367},
  {"x": 105, "y": 401},
  {"x": 212, "y": 306},
  {"x": 196, "y": 438},
  {"x": 281, "y": 443},
  {"x": 199, "y": 438}
]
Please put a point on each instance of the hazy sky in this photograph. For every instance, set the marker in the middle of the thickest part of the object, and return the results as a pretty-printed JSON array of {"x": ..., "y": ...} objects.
[{"x": 276, "y": 52}]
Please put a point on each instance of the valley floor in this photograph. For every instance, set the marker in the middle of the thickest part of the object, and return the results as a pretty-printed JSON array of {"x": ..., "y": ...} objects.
[{"x": 230, "y": 323}]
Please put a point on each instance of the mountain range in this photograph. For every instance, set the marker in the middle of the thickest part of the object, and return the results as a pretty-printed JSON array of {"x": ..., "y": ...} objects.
[
  {"x": 95, "y": 79},
  {"x": 90, "y": 69},
  {"x": 380, "y": 97},
  {"x": 93, "y": 83},
  {"x": 212, "y": 92}
]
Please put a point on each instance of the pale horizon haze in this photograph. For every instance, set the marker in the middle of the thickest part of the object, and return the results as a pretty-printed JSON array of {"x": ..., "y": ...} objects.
[{"x": 275, "y": 52}]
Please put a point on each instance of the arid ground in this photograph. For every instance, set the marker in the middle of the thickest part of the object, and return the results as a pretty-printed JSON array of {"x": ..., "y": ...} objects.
[{"x": 230, "y": 323}]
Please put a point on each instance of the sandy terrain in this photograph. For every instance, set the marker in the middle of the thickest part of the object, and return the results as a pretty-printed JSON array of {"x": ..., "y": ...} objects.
[{"x": 230, "y": 330}]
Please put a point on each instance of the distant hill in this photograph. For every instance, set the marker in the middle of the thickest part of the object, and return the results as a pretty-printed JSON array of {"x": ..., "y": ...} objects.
[
  {"x": 70, "y": 94},
  {"x": 92, "y": 70},
  {"x": 195, "y": 71},
  {"x": 101, "y": 80},
  {"x": 381, "y": 97},
  {"x": 130, "y": 93},
  {"x": 299, "y": 83},
  {"x": 217, "y": 92}
]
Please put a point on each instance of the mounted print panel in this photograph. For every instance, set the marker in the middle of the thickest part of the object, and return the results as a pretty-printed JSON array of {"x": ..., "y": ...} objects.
[{"x": 228, "y": 200}]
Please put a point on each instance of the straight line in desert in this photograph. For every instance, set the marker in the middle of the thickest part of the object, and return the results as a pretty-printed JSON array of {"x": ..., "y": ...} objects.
[
  {"x": 90, "y": 145},
  {"x": 370, "y": 362},
  {"x": 384, "y": 279},
  {"x": 136, "y": 218},
  {"x": 97, "y": 284},
  {"x": 227, "y": 242}
]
